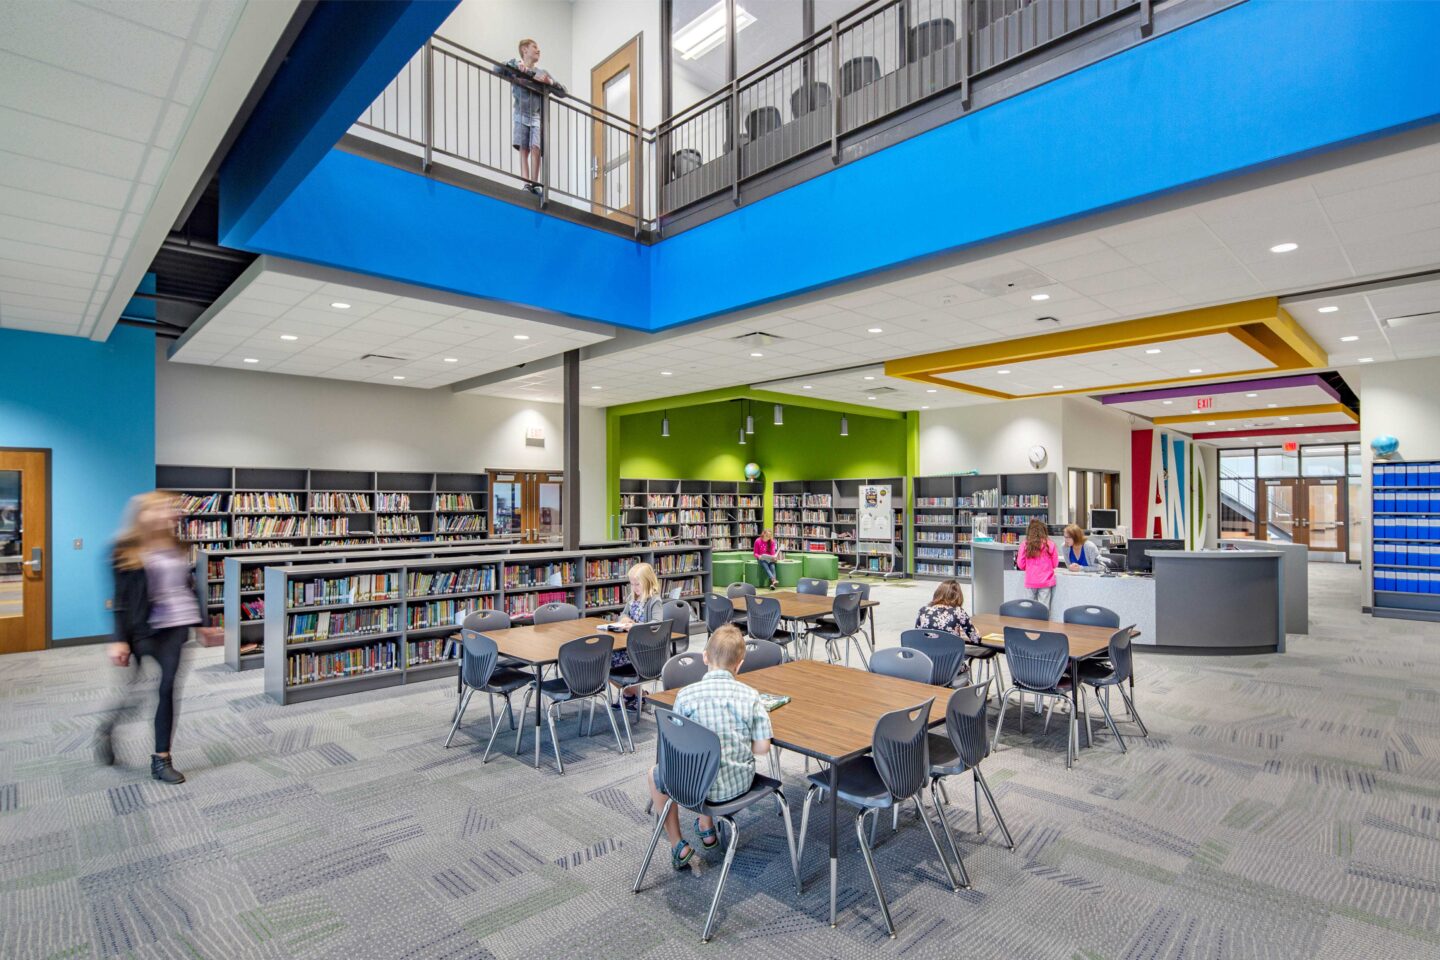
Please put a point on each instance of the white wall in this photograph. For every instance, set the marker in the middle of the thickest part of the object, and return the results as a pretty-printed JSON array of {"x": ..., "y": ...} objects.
[
  {"x": 494, "y": 27},
  {"x": 1096, "y": 438},
  {"x": 219, "y": 417},
  {"x": 599, "y": 28}
]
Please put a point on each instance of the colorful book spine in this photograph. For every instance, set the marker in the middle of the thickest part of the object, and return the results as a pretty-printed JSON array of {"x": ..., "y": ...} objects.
[
  {"x": 454, "y": 501},
  {"x": 339, "y": 503},
  {"x": 266, "y": 503},
  {"x": 305, "y": 668}
]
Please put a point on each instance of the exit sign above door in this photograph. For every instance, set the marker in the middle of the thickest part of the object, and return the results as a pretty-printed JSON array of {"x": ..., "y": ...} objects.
[{"x": 1205, "y": 403}]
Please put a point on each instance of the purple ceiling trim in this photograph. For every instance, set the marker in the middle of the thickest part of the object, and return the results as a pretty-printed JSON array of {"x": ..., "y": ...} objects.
[{"x": 1208, "y": 389}]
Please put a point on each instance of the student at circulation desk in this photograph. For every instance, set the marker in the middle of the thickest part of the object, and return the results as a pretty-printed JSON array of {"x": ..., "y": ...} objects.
[
  {"x": 644, "y": 605},
  {"x": 946, "y": 611},
  {"x": 1079, "y": 552},
  {"x": 767, "y": 551},
  {"x": 1038, "y": 558}
]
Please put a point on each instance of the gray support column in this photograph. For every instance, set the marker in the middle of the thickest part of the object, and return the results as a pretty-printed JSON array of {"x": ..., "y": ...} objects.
[{"x": 570, "y": 502}]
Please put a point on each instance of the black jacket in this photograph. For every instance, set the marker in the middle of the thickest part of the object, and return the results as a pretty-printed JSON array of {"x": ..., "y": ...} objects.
[{"x": 131, "y": 604}]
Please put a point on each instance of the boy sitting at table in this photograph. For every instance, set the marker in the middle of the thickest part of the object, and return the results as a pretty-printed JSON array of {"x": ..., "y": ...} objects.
[{"x": 737, "y": 715}]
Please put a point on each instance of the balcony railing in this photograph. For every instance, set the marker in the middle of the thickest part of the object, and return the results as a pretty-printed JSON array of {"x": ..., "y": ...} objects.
[{"x": 453, "y": 106}]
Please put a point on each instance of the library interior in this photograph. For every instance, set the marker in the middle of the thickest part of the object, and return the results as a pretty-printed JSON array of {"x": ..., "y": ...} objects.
[{"x": 906, "y": 478}]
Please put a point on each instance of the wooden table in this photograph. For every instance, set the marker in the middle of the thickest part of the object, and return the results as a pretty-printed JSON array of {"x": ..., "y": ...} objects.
[
  {"x": 831, "y": 717},
  {"x": 807, "y": 607},
  {"x": 538, "y": 646}
]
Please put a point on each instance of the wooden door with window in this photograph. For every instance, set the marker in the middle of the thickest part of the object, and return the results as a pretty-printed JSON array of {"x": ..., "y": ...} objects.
[
  {"x": 615, "y": 156},
  {"x": 1309, "y": 511},
  {"x": 526, "y": 504},
  {"x": 24, "y": 550}
]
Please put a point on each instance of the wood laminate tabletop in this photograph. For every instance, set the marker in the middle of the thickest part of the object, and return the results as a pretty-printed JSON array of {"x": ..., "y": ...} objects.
[
  {"x": 1085, "y": 640},
  {"x": 541, "y": 643},
  {"x": 800, "y": 606}
]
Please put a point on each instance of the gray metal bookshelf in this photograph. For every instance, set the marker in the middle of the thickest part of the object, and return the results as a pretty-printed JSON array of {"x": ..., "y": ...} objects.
[
  {"x": 723, "y": 514},
  {"x": 946, "y": 508},
  {"x": 820, "y": 515},
  {"x": 1405, "y": 539},
  {"x": 395, "y": 627},
  {"x": 266, "y": 507}
]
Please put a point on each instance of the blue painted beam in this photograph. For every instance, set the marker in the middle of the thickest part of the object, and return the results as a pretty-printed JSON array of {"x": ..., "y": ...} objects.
[{"x": 345, "y": 55}]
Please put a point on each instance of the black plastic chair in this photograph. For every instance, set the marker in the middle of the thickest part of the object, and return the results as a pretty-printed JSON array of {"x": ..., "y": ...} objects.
[
  {"x": 928, "y": 37},
  {"x": 760, "y": 654},
  {"x": 483, "y": 621},
  {"x": 480, "y": 670},
  {"x": 867, "y": 614},
  {"x": 945, "y": 650},
  {"x": 1101, "y": 677},
  {"x": 810, "y": 586},
  {"x": 904, "y": 663},
  {"x": 718, "y": 611},
  {"x": 1029, "y": 609},
  {"x": 809, "y": 98},
  {"x": 685, "y": 160},
  {"x": 584, "y": 675},
  {"x": 739, "y": 590},
  {"x": 761, "y": 121},
  {"x": 964, "y": 745},
  {"x": 1038, "y": 660},
  {"x": 762, "y": 618},
  {"x": 847, "y": 627},
  {"x": 688, "y": 759},
  {"x": 858, "y": 72},
  {"x": 682, "y": 670},
  {"x": 648, "y": 647},
  {"x": 678, "y": 612},
  {"x": 1092, "y": 616},
  {"x": 555, "y": 613},
  {"x": 896, "y": 769}
]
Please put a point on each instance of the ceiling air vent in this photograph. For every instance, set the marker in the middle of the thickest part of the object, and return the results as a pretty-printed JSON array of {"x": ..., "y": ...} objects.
[
  {"x": 878, "y": 391},
  {"x": 383, "y": 360},
  {"x": 1015, "y": 281},
  {"x": 756, "y": 339},
  {"x": 1414, "y": 319}
]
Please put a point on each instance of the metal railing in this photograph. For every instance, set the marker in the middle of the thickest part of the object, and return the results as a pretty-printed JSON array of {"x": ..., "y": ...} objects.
[{"x": 454, "y": 106}]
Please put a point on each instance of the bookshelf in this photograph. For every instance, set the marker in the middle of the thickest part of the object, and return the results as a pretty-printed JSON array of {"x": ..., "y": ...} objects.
[
  {"x": 1405, "y": 540},
  {"x": 820, "y": 515},
  {"x": 263, "y": 508},
  {"x": 339, "y": 628},
  {"x": 722, "y": 514},
  {"x": 946, "y": 508}
]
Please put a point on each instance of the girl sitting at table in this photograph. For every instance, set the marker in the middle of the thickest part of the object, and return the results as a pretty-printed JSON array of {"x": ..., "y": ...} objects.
[
  {"x": 1038, "y": 558},
  {"x": 946, "y": 611},
  {"x": 645, "y": 604}
]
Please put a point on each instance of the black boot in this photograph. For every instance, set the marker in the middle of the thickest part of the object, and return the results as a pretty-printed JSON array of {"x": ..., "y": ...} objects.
[{"x": 162, "y": 769}]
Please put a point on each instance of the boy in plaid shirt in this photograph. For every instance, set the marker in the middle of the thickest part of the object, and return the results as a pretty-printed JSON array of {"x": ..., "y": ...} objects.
[{"x": 738, "y": 716}]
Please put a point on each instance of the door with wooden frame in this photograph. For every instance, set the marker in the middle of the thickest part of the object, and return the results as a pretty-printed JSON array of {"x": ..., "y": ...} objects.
[
  {"x": 614, "y": 165},
  {"x": 527, "y": 504},
  {"x": 1310, "y": 511},
  {"x": 24, "y": 550}
]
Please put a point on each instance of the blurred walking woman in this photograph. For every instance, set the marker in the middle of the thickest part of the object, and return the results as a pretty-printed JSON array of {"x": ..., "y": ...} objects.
[{"x": 155, "y": 607}]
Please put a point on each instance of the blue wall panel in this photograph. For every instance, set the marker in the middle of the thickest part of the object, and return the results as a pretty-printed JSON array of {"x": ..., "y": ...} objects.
[{"x": 93, "y": 405}]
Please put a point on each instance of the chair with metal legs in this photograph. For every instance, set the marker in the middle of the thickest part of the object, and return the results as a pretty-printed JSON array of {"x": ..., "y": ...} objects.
[
  {"x": 1102, "y": 677},
  {"x": 647, "y": 645},
  {"x": 678, "y": 612},
  {"x": 483, "y": 621},
  {"x": 682, "y": 670},
  {"x": 867, "y": 614},
  {"x": 964, "y": 745},
  {"x": 688, "y": 758},
  {"x": 847, "y": 627},
  {"x": 555, "y": 613},
  {"x": 904, "y": 663},
  {"x": 1038, "y": 660},
  {"x": 895, "y": 770},
  {"x": 760, "y": 654},
  {"x": 718, "y": 612},
  {"x": 762, "y": 618},
  {"x": 739, "y": 589},
  {"x": 584, "y": 675},
  {"x": 946, "y": 652},
  {"x": 810, "y": 586},
  {"x": 480, "y": 670}
]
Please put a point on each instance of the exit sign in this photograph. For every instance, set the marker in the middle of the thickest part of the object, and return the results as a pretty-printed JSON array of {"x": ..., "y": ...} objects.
[
  {"x": 1290, "y": 446},
  {"x": 1205, "y": 403}
]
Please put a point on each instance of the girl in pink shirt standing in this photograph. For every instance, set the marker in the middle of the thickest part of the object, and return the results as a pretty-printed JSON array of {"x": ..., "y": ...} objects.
[{"x": 1038, "y": 558}]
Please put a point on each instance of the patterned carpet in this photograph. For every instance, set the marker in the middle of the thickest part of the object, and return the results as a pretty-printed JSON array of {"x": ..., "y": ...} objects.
[{"x": 1282, "y": 807}]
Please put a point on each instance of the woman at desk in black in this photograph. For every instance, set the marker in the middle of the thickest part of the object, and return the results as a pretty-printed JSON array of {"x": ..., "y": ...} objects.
[{"x": 1079, "y": 553}]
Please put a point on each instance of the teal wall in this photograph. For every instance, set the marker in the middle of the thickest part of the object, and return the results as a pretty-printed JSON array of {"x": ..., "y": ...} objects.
[{"x": 93, "y": 406}]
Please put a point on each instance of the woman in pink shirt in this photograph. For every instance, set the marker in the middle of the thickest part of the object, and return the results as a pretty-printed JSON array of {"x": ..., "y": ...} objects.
[
  {"x": 767, "y": 551},
  {"x": 1038, "y": 558}
]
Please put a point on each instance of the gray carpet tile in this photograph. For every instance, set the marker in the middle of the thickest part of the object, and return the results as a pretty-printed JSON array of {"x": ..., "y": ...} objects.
[{"x": 1282, "y": 807}]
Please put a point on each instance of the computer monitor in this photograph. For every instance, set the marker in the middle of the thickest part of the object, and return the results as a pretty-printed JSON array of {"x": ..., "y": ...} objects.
[
  {"x": 1135, "y": 558},
  {"x": 1104, "y": 519}
]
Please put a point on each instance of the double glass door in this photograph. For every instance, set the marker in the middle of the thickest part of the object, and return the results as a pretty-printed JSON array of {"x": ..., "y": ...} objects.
[
  {"x": 526, "y": 504},
  {"x": 1313, "y": 512}
]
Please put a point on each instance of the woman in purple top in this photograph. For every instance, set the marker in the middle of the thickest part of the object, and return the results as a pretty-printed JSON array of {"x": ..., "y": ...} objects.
[{"x": 155, "y": 607}]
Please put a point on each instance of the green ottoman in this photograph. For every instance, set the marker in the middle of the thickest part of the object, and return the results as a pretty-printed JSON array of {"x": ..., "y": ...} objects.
[
  {"x": 738, "y": 556},
  {"x": 753, "y": 573},
  {"x": 726, "y": 572},
  {"x": 821, "y": 566},
  {"x": 788, "y": 572}
]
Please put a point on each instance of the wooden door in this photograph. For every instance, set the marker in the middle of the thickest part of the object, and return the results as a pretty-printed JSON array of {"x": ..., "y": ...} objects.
[
  {"x": 615, "y": 163},
  {"x": 526, "y": 504},
  {"x": 24, "y": 550}
]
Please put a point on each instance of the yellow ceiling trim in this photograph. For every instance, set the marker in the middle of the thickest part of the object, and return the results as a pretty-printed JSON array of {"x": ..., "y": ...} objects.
[
  {"x": 1313, "y": 410},
  {"x": 1260, "y": 324}
]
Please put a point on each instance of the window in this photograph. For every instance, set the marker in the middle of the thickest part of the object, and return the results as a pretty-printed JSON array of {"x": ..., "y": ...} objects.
[
  {"x": 1354, "y": 461},
  {"x": 1237, "y": 463},
  {"x": 1275, "y": 462},
  {"x": 1327, "y": 461},
  {"x": 764, "y": 29},
  {"x": 1237, "y": 508},
  {"x": 699, "y": 50}
]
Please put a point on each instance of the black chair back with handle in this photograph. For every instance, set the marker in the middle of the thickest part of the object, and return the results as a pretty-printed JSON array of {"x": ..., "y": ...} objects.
[
  {"x": 740, "y": 590},
  {"x": 478, "y": 659},
  {"x": 945, "y": 650},
  {"x": 762, "y": 614},
  {"x": 853, "y": 586},
  {"x": 809, "y": 98},
  {"x": 682, "y": 670},
  {"x": 813, "y": 587},
  {"x": 901, "y": 748},
  {"x": 1122, "y": 660},
  {"x": 965, "y": 724},
  {"x": 555, "y": 613},
  {"x": 858, "y": 72},
  {"x": 585, "y": 664},
  {"x": 847, "y": 613},
  {"x": 678, "y": 613},
  {"x": 688, "y": 755},
  {"x": 1037, "y": 659},
  {"x": 718, "y": 611},
  {"x": 928, "y": 37},
  {"x": 760, "y": 654},
  {"x": 1090, "y": 615},
  {"x": 648, "y": 645},
  {"x": 902, "y": 662},
  {"x": 1029, "y": 609},
  {"x": 483, "y": 621},
  {"x": 761, "y": 121}
]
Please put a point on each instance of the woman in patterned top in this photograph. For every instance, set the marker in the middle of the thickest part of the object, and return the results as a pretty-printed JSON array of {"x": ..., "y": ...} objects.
[{"x": 946, "y": 611}]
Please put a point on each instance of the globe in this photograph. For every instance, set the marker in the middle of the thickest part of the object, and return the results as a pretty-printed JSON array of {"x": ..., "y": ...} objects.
[
  {"x": 1384, "y": 445},
  {"x": 752, "y": 471}
]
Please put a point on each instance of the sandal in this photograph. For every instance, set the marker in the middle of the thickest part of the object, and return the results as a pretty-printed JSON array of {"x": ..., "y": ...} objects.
[
  {"x": 677, "y": 861},
  {"x": 708, "y": 839}
]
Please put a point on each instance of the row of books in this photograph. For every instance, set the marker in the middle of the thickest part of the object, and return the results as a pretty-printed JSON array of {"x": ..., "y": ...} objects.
[
  {"x": 660, "y": 500},
  {"x": 202, "y": 529},
  {"x": 604, "y": 596},
  {"x": 303, "y": 668},
  {"x": 692, "y": 516},
  {"x": 539, "y": 574},
  {"x": 362, "y": 588},
  {"x": 1022, "y": 519},
  {"x": 677, "y": 563},
  {"x": 330, "y": 526},
  {"x": 397, "y": 523},
  {"x": 338, "y": 624},
  {"x": 454, "y": 502},
  {"x": 1425, "y": 474},
  {"x": 266, "y": 503},
  {"x": 934, "y": 502},
  {"x": 461, "y": 523},
  {"x": 470, "y": 580},
  {"x": 1025, "y": 500},
  {"x": 437, "y": 613},
  {"x": 206, "y": 503},
  {"x": 662, "y": 517},
  {"x": 787, "y": 530},
  {"x": 525, "y": 604},
  {"x": 934, "y": 536},
  {"x": 688, "y": 587},
  {"x": 815, "y": 516},
  {"x": 1407, "y": 581},
  {"x": 787, "y": 516},
  {"x": 1425, "y": 501},
  {"x": 691, "y": 500},
  {"x": 435, "y": 650},
  {"x": 252, "y": 609},
  {"x": 1406, "y": 528},
  {"x": 1408, "y": 555},
  {"x": 609, "y": 569},
  {"x": 339, "y": 503},
  {"x": 392, "y": 502},
  {"x": 259, "y": 545},
  {"x": 692, "y": 534},
  {"x": 981, "y": 500},
  {"x": 247, "y": 528}
]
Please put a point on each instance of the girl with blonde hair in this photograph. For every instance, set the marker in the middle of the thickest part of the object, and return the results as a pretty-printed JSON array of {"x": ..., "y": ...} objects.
[{"x": 644, "y": 605}]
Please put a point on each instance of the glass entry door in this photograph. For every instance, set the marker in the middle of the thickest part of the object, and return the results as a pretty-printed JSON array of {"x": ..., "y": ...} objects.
[
  {"x": 1313, "y": 512},
  {"x": 527, "y": 505},
  {"x": 24, "y": 566}
]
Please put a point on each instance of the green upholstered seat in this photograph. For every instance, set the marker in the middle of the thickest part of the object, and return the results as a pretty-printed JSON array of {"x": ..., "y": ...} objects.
[{"x": 821, "y": 566}]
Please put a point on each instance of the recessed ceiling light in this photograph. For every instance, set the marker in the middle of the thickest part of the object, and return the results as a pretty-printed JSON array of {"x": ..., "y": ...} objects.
[
  {"x": 398, "y": 376},
  {"x": 869, "y": 378},
  {"x": 1284, "y": 247},
  {"x": 1153, "y": 350},
  {"x": 924, "y": 408},
  {"x": 1167, "y": 402},
  {"x": 1196, "y": 370},
  {"x": 1058, "y": 386},
  {"x": 807, "y": 387},
  {"x": 595, "y": 386},
  {"x": 288, "y": 336},
  {"x": 1367, "y": 360},
  {"x": 930, "y": 390},
  {"x": 251, "y": 360},
  {"x": 1252, "y": 394},
  {"x": 1002, "y": 372},
  {"x": 1231, "y": 429},
  {"x": 1330, "y": 309},
  {"x": 340, "y": 306},
  {"x": 452, "y": 359},
  {"x": 1349, "y": 339},
  {"x": 1038, "y": 297},
  {"x": 522, "y": 336},
  {"x": 756, "y": 353},
  {"x": 1209, "y": 423},
  {"x": 869, "y": 398},
  {"x": 1272, "y": 406},
  {"x": 1284, "y": 418},
  {"x": 876, "y": 330},
  {"x": 666, "y": 373}
]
